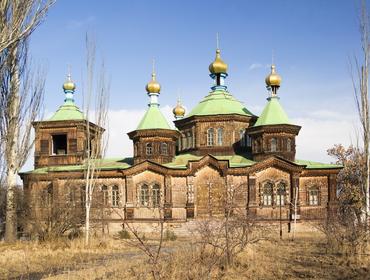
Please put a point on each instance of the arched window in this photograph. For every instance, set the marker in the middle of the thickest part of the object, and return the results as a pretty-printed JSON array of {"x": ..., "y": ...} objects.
[
  {"x": 189, "y": 140},
  {"x": 242, "y": 138},
  {"x": 267, "y": 194},
  {"x": 313, "y": 196},
  {"x": 104, "y": 190},
  {"x": 164, "y": 148},
  {"x": 281, "y": 194},
  {"x": 220, "y": 132},
  {"x": 183, "y": 142},
  {"x": 210, "y": 137},
  {"x": 144, "y": 195},
  {"x": 83, "y": 195},
  {"x": 289, "y": 145},
  {"x": 149, "y": 149},
  {"x": 249, "y": 141},
  {"x": 115, "y": 196},
  {"x": 156, "y": 195},
  {"x": 135, "y": 149},
  {"x": 273, "y": 144}
]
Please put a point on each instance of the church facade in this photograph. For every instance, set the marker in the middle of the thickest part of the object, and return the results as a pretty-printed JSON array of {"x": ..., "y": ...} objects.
[{"x": 187, "y": 172}]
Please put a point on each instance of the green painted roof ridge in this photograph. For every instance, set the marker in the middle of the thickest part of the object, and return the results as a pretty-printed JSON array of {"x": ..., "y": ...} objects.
[
  {"x": 317, "y": 165},
  {"x": 273, "y": 113},
  {"x": 153, "y": 119},
  {"x": 68, "y": 111},
  {"x": 219, "y": 102}
]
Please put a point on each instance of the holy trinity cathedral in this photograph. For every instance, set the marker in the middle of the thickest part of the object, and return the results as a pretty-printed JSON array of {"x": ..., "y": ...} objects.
[{"x": 188, "y": 171}]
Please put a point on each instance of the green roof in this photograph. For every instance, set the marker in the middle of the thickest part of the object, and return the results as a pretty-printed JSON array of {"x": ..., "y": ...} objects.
[
  {"x": 102, "y": 164},
  {"x": 181, "y": 161},
  {"x": 219, "y": 102},
  {"x": 153, "y": 119},
  {"x": 68, "y": 111},
  {"x": 273, "y": 113},
  {"x": 317, "y": 165}
]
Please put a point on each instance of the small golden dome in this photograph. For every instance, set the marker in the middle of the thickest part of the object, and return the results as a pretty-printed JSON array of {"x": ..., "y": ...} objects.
[
  {"x": 69, "y": 84},
  {"x": 218, "y": 66},
  {"x": 273, "y": 79},
  {"x": 153, "y": 86},
  {"x": 178, "y": 111}
]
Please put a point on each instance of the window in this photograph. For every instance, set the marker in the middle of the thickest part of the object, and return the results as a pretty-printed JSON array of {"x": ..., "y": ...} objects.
[
  {"x": 59, "y": 144},
  {"x": 220, "y": 132},
  {"x": 104, "y": 190},
  {"x": 289, "y": 145},
  {"x": 313, "y": 196},
  {"x": 149, "y": 149},
  {"x": 164, "y": 149},
  {"x": 273, "y": 144},
  {"x": 189, "y": 140},
  {"x": 135, "y": 149},
  {"x": 156, "y": 195},
  {"x": 210, "y": 136},
  {"x": 249, "y": 141},
  {"x": 144, "y": 195},
  {"x": 267, "y": 194},
  {"x": 83, "y": 196},
  {"x": 281, "y": 194},
  {"x": 115, "y": 196},
  {"x": 242, "y": 138},
  {"x": 183, "y": 142}
]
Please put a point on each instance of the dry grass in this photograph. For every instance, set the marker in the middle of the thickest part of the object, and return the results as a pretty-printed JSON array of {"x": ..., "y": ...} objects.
[{"x": 305, "y": 258}]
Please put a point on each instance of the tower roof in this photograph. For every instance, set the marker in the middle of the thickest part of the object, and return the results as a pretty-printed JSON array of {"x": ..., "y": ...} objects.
[
  {"x": 153, "y": 119},
  {"x": 68, "y": 111},
  {"x": 219, "y": 102},
  {"x": 273, "y": 113}
]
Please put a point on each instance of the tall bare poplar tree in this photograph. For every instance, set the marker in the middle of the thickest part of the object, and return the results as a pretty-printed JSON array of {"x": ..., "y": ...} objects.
[
  {"x": 360, "y": 83},
  {"x": 20, "y": 93},
  {"x": 96, "y": 93}
]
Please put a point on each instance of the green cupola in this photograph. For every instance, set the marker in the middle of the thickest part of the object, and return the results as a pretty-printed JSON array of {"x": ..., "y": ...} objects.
[{"x": 273, "y": 133}]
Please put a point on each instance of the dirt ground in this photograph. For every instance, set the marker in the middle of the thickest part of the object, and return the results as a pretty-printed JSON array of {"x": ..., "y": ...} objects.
[{"x": 307, "y": 257}]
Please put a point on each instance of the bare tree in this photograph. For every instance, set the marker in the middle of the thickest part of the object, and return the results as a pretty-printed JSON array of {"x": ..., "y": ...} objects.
[
  {"x": 21, "y": 94},
  {"x": 360, "y": 84},
  {"x": 19, "y": 18},
  {"x": 96, "y": 145}
]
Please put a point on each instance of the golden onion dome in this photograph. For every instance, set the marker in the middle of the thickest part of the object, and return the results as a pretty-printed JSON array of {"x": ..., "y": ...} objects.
[
  {"x": 218, "y": 66},
  {"x": 273, "y": 79},
  {"x": 69, "y": 84},
  {"x": 153, "y": 86},
  {"x": 179, "y": 110}
]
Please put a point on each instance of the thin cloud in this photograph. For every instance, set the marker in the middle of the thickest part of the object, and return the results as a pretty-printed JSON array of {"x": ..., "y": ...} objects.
[
  {"x": 78, "y": 23},
  {"x": 255, "y": 66}
]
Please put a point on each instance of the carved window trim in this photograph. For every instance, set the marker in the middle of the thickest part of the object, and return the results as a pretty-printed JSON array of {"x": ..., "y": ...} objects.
[
  {"x": 220, "y": 136},
  {"x": 210, "y": 137},
  {"x": 313, "y": 195},
  {"x": 164, "y": 149},
  {"x": 115, "y": 196},
  {"x": 149, "y": 149}
]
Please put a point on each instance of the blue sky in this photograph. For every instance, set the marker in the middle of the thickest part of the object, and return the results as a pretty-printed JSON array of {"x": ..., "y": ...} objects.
[{"x": 311, "y": 40}]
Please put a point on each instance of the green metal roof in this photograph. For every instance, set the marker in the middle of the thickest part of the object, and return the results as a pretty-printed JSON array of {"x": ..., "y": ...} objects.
[
  {"x": 317, "y": 165},
  {"x": 219, "y": 102},
  {"x": 68, "y": 111},
  {"x": 153, "y": 119},
  {"x": 102, "y": 164},
  {"x": 181, "y": 161},
  {"x": 273, "y": 113}
]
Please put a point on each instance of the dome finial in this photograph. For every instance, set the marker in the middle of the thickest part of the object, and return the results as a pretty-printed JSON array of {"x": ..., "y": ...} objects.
[
  {"x": 153, "y": 86},
  {"x": 218, "y": 66},
  {"x": 273, "y": 80},
  {"x": 179, "y": 110},
  {"x": 69, "y": 85}
]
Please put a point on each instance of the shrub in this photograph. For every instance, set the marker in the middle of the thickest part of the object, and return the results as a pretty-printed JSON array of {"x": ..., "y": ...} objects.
[
  {"x": 124, "y": 234},
  {"x": 170, "y": 235}
]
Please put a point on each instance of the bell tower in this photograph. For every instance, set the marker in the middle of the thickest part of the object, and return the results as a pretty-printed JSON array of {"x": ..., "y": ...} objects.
[
  {"x": 273, "y": 133},
  {"x": 62, "y": 139}
]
